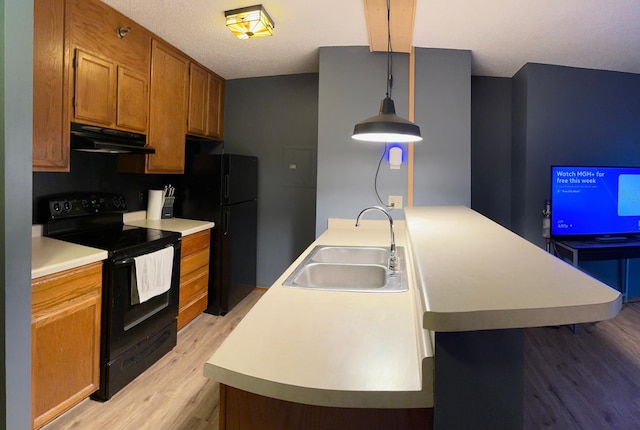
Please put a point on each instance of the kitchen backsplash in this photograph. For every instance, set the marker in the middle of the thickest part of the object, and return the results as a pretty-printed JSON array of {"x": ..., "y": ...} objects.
[{"x": 95, "y": 172}]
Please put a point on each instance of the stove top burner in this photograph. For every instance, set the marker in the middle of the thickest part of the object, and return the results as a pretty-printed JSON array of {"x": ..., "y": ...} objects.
[
  {"x": 95, "y": 220},
  {"x": 119, "y": 239}
]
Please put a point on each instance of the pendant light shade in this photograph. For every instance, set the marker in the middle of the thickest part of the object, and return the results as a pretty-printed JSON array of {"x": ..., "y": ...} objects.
[{"x": 387, "y": 126}]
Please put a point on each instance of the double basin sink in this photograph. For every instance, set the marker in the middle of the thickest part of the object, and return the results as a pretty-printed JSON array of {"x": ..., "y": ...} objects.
[{"x": 350, "y": 268}]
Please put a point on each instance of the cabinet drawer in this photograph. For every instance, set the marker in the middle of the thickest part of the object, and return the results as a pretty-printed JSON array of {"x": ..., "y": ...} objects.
[
  {"x": 193, "y": 285},
  {"x": 195, "y": 242},
  {"x": 194, "y": 261},
  {"x": 59, "y": 289},
  {"x": 192, "y": 310}
]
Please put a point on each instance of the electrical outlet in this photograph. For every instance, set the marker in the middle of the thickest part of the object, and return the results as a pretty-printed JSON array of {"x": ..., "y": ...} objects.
[{"x": 395, "y": 202}]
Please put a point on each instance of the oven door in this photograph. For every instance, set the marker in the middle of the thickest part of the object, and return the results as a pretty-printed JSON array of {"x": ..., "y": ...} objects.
[{"x": 127, "y": 324}]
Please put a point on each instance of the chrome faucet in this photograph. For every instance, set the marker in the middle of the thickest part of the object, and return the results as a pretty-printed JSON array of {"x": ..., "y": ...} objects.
[{"x": 393, "y": 256}]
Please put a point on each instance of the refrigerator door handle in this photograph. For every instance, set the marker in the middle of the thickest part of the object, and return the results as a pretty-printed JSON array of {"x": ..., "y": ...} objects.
[
  {"x": 225, "y": 220},
  {"x": 226, "y": 187}
]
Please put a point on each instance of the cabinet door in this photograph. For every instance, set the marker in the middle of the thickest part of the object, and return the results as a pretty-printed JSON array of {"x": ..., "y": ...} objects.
[
  {"x": 95, "y": 89},
  {"x": 215, "y": 111},
  {"x": 50, "y": 129},
  {"x": 168, "y": 109},
  {"x": 198, "y": 81},
  {"x": 65, "y": 340},
  {"x": 133, "y": 100}
]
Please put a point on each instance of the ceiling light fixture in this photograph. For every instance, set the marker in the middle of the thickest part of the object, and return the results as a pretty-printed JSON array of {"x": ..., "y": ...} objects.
[
  {"x": 387, "y": 126},
  {"x": 249, "y": 22}
]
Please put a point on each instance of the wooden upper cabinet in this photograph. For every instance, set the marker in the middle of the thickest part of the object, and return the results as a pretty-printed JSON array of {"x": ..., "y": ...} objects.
[
  {"x": 215, "y": 118},
  {"x": 198, "y": 93},
  {"x": 93, "y": 27},
  {"x": 95, "y": 66},
  {"x": 133, "y": 100},
  {"x": 206, "y": 100},
  {"x": 110, "y": 69},
  {"x": 168, "y": 109},
  {"x": 109, "y": 94},
  {"x": 50, "y": 114},
  {"x": 95, "y": 89}
]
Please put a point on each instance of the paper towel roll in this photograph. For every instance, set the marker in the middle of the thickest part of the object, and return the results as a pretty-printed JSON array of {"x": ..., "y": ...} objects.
[{"x": 154, "y": 206}]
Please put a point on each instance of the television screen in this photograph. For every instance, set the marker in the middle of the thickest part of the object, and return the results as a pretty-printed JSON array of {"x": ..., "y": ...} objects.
[{"x": 595, "y": 201}]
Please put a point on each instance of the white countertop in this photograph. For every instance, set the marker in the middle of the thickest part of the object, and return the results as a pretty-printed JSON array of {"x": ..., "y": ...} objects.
[
  {"x": 183, "y": 226},
  {"x": 332, "y": 348},
  {"x": 467, "y": 273},
  {"x": 51, "y": 255},
  {"x": 477, "y": 275}
]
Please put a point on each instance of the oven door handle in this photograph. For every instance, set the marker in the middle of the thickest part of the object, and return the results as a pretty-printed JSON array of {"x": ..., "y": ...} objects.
[
  {"x": 129, "y": 261},
  {"x": 125, "y": 262}
]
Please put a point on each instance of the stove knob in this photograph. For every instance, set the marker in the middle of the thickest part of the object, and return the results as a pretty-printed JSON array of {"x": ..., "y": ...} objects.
[
  {"x": 56, "y": 207},
  {"x": 67, "y": 206}
]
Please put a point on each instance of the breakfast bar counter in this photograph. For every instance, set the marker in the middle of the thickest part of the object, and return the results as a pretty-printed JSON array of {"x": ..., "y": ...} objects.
[
  {"x": 477, "y": 275},
  {"x": 452, "y": 344}
]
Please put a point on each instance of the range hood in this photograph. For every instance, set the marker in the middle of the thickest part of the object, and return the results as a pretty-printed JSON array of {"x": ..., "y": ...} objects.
[{"x": 89, "y": 138}]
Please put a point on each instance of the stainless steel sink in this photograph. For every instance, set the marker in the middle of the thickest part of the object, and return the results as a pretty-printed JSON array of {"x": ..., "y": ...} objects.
[
  {"x": 351, "y": 255},
  {"x": 349, "y": 268}
]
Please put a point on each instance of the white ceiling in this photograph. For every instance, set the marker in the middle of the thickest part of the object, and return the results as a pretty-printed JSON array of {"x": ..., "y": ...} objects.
[{"x": 503, "y": 35}]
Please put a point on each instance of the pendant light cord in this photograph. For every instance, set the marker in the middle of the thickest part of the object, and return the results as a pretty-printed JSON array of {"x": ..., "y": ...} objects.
[
  {"x": 389, "y": 85},
  {"x": 389, "y": 50},
  {"x": 375, "y": 180}
]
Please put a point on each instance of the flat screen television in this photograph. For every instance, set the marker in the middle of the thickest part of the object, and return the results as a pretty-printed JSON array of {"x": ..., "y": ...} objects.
[{"x": 600, "y": 203}]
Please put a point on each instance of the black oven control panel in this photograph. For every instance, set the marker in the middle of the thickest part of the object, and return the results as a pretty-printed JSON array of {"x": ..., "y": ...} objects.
[{"x": 73, "y": 205}]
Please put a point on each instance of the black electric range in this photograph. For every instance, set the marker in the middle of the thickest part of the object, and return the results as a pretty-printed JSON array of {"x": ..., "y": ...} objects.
[{"x": 134, "y": 333}]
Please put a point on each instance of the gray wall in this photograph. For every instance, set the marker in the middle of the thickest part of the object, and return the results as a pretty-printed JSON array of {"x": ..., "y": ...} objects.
[
  {"x": 15, "y": 264},
  {"x": 352, "y": 85},
  {"x": 276, "y": 119},
  {"x": 491, "y": 148},
  {"x": 443, "y": 110}
]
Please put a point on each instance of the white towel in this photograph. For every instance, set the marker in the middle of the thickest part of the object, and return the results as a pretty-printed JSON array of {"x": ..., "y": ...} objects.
[{"x": 152, "y": 275}]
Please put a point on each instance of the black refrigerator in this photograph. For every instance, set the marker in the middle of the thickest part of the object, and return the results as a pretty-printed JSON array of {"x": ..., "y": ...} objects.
[{"x": 223, "y": 188}]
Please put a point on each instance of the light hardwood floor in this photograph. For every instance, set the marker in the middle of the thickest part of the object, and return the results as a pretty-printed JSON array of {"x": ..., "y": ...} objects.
[
  {"x": 173, "y": 394},
  {"x": 584, "y": 381}
]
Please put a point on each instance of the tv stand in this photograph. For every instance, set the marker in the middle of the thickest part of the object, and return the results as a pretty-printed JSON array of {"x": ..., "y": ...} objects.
[
  {"x": 596, "y": 250},
  {"x": 611, "y": 239}
]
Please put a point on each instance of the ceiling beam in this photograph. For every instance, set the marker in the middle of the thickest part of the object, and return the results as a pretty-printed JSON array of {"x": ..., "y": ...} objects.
[{"x": 402, "y": 18}]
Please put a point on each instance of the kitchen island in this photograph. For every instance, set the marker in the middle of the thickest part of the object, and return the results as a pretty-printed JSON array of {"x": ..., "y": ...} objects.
[{"x": 450, "y": 346}]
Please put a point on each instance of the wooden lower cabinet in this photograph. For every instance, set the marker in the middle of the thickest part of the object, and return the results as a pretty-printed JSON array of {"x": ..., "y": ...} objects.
[
  {"x": 194, "y": 276},
  {"x": 243, "y": 410},
  {"x": 65, "y": 340}
]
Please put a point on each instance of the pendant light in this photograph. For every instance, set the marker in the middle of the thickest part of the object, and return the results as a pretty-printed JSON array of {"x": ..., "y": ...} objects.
[{"x": 387, "y": 126}]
